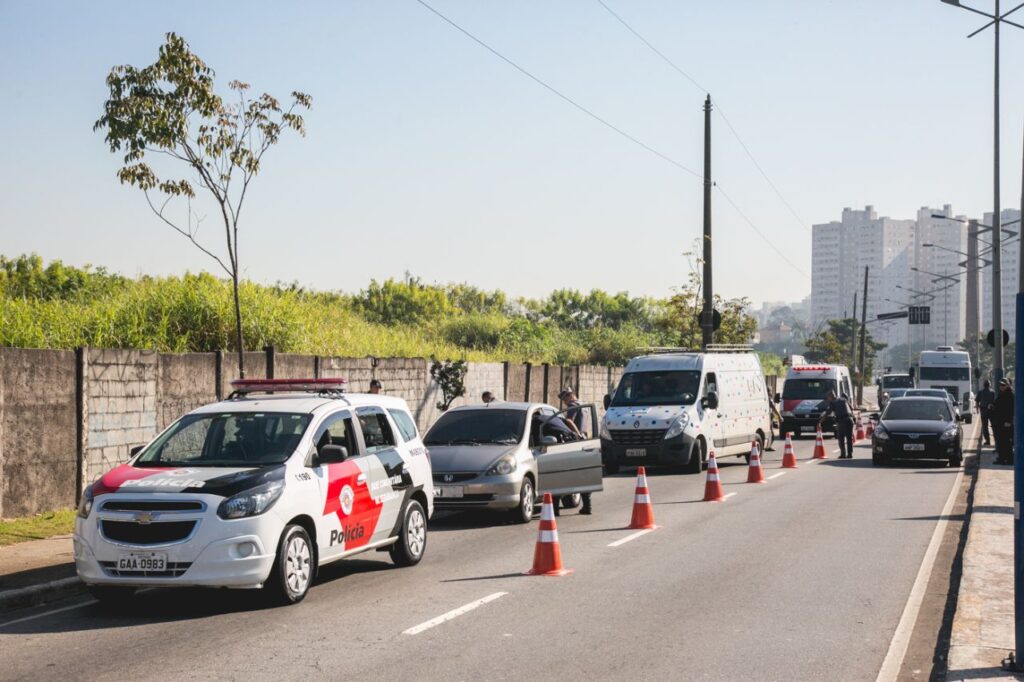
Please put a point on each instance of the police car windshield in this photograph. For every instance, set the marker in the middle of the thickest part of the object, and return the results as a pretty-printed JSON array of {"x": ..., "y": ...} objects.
[
  {"x": 808, "y": 389},
  {"x": 233, "y": 439},
  {"x": 923, "y": 410},
  {"x": 677, "y": 387},
  {"x": 478, "y": 427}
]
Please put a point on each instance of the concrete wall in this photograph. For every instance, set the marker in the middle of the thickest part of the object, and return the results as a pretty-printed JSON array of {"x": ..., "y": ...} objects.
[
  {"x": 59, "y": 432},
  {"x": 38, "y": 431}
]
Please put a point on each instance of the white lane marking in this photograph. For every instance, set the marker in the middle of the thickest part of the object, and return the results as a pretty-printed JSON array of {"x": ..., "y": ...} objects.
[
  {"x": 727, "y": 496},
  {"x": 634, "y": 536},
  {"x": 836, "y": 451},
  {"x": 454, "y": 613},
  {"x": 46, "y": 613},
  {"x": 776, "y": 475},
  {"x": 901, "y": 638}
]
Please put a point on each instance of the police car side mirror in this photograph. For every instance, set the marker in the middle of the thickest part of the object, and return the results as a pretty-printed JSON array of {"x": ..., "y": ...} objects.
[
  {"x": 607, "y": 400},
  {"x": 332, "y": 454}
]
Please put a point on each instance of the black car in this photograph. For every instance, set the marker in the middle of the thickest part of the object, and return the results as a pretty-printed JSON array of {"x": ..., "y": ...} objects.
[{"x": 917, "y": 428}]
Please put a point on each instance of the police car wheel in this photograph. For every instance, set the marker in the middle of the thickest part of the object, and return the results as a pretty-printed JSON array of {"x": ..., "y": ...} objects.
[
  {"x": 112, "y": 595},
  {"x": 412, "y": 538},
  {"x": 523, "y": 513},
  {"x": 571, "y": 501},
  {"x": 293, "y": 569}
]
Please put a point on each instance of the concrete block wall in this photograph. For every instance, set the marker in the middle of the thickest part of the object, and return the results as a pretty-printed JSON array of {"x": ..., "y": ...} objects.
[
  {"x": 38, "y": 431},
  {"x": 294, "y": 366},
  {"x": 186, "y": 381},
  {"x": 515, "y": 388},
  {"x": 480, "y": 377},
  {"x": 358, "y": 371},
  {"x": 255, "y": 368},
  {"x": 121, "y": 394}
]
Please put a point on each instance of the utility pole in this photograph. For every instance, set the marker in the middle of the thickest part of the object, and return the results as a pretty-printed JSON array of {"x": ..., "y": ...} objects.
[
  {"x": 973, "y": 303},
  {"x": 863, "y": 334},
  {"x": 707, "y": 314},
  {"x": 997, "y": 263},
  {"x": 853, "y": 333}
]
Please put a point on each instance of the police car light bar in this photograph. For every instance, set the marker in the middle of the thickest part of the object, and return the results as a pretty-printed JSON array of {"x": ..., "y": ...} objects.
[{"x": 246, "y": 386}]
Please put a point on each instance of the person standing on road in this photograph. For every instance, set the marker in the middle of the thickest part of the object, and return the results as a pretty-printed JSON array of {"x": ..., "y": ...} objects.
[
  {"x": 1002, "y": 423},
  {"x": 774, "y": 416},
  {"x": 842, "y": 411},
  {"x": 986, "y": 396},
  {"x": 574, "y": 416}
]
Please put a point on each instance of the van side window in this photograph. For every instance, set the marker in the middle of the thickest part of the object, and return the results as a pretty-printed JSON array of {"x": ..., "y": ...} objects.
[
  {"x": 405, "y": 424},
  {"x": 377, "y": 434}
]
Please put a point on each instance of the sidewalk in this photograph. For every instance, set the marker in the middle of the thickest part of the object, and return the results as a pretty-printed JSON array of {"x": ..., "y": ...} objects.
[
  {"x": 983, "y": 627},
  {"x": 37, "y": 571}
]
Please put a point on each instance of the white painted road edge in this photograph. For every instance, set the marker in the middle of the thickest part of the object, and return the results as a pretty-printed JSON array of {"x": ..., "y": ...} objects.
[
  {"x": 454, "y": 613},
  {"x": 901, "y": 638},
  {"x": 727, "y": 496},
  {"x": 776, "y": 475},
  {"x": 634, "y": 536},
  {"x": 47, "y": 613}
]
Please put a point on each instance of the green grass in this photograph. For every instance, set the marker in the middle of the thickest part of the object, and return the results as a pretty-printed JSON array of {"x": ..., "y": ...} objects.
[{"x": 38, "y": 527}]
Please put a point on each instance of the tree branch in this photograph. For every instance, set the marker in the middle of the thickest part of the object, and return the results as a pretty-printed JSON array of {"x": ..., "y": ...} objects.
[{"x": 187, "y": 234}]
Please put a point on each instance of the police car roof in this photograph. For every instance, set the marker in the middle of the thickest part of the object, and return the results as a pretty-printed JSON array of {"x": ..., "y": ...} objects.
[{"x": 300, "y": 403}]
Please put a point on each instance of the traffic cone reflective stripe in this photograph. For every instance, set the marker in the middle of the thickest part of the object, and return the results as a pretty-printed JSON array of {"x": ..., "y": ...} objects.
[
  {"x": 788, "y": 456},
  {"x": 754, "y": 472},
  {"x": 713, "y": 488},
  {"x": 547, "y": 555},
  {"x": 819, "y": 446},
  {"x": 643, "y": 512}
]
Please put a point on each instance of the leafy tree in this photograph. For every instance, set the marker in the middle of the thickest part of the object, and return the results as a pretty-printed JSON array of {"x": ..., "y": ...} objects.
[
  {"x": 25, "y": 277},
  {"x": 451, "y": 377},
  {"x": 169, "y": 110},
  {"x": 572, "y": 309},
  {"x": 403, "y": 302},
  {"x": 832, "y": 345}
]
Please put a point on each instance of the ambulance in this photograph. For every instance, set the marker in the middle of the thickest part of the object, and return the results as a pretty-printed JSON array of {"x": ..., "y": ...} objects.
[
  {"x": 672, "y": 407},
  {"x": 805, "y": 390},
  {"x": 259, "y": 491}
]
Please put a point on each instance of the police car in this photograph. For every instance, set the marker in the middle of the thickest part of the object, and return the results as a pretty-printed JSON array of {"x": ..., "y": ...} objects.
[{"x": 259, "y": 491}]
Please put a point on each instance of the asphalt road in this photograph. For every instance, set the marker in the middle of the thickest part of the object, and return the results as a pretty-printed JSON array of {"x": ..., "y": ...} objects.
[{"x": 804, "y": 577}]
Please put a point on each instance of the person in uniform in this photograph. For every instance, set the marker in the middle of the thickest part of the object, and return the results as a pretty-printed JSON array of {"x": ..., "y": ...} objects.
[
  {"x": 986, "y": 396},
  {"x": 1002, "y": 422},
  {"x": 375, "y": 387},
  {"x": 842, "y": 411}
]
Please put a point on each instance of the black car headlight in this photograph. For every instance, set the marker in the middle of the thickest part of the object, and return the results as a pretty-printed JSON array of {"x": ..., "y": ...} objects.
[
  {"x": 881, "y": 433},
  {"x": 252, "y": 502},
  {"x": 948, "y": 435}
]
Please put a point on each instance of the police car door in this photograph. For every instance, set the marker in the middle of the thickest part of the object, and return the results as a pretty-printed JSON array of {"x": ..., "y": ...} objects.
[
  {"x": 571, "y": 467},
  {"x": 387, "y": 478},
  {"x": 347, "y": 507}
]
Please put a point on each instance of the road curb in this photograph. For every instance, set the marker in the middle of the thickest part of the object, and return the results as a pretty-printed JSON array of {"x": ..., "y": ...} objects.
[{"x": 41, "y": 593}]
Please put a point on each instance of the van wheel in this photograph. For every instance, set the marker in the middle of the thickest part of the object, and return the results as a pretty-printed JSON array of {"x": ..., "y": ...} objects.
[
  {"x": 112, "y": 596},
  {"x": 760, "y": 448},
  {"x": 293, "y": 568},
  {"x": 412, "y": 539},
  {"x": 696, "y": 462},
  {"x": 571, "y": 501}
]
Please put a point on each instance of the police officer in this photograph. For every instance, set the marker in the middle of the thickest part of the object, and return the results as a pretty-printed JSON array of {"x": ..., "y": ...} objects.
[
  {"x": 574, "y": 418},
  {"x": 986, "y": 396},
  {"x": 841, "y": 409},
  {"x": 375, "y": 386},
  {"x": 1002, "y": 423}
]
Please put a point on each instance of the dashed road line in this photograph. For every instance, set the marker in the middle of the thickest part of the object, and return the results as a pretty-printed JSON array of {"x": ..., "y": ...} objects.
[
  {"x": 776, "y": 475},
  {"x": 46, "y": 613},
  {"x": 727, "y": 496},
  {"x": 454, "y": 613},
  {"x": 634, "y": 536}
]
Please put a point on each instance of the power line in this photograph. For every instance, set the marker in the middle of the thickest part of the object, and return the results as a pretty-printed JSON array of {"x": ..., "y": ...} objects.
[
  {"x": 560, "y": 94},
  {"x": 718, "y": 106},
  {"x": 754, "y": 227}
]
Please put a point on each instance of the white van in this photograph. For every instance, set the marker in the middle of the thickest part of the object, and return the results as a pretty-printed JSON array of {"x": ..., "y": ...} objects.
[
  {"x": 949, "y": 369},
  {"x": 670, "y": 408},
  {"x": 805, "y": 389}
]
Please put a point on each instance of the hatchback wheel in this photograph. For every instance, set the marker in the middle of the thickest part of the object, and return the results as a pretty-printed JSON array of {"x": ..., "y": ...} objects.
[
  {"x": 412, "y": 539},
  {"x": 293, "y": 569},
  {"x": 527, "y": 499}
]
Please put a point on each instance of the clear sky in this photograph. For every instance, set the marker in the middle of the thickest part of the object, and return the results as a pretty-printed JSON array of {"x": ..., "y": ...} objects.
[{"x": 425, "y": 153}]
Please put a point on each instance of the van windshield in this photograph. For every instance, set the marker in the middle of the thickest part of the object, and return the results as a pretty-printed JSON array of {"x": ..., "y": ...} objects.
[
  {"x": 945, "y": 374},
  {"x": 637, "y": 389},
  {"x": 808, "y": 389}
]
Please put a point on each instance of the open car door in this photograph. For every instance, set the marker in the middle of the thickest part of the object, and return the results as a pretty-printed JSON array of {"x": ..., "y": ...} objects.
[{"x": 566, "y": 466}]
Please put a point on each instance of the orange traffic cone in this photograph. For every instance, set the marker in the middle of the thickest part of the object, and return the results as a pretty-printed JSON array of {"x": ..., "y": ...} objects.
[
  {"x": 819, "y": 446},
  {"x": 643, "y": 512},
  {"x": 755, "y": 474},
  {"x": 860, "y": 429},
  {"x": 788, "y": 456},
  {"x": 547, "y": 556},
  {"x": 713, "y": 488}
]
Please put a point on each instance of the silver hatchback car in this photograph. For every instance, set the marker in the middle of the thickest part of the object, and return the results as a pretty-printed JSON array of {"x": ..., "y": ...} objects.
[{"x": 504, "y": 455}]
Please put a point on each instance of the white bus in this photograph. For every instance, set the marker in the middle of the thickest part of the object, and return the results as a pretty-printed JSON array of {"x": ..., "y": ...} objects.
[{"x": 949, "y": 369}]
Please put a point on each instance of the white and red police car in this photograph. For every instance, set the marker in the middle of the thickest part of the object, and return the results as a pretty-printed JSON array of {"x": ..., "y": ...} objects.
[{"x": 259, "y": 490}]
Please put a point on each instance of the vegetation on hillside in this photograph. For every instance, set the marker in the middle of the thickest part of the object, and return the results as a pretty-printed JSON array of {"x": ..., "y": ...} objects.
[{"x": 57, "y": 306}]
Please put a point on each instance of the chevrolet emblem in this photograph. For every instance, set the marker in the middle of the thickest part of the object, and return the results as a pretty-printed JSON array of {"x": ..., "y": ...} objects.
[{"x": 145, "y": 518}]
